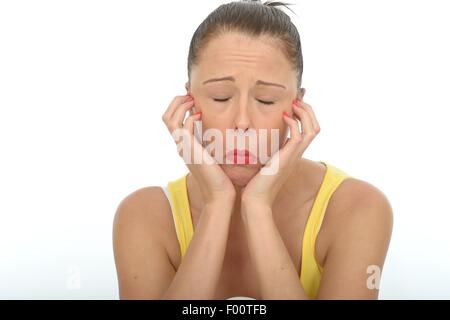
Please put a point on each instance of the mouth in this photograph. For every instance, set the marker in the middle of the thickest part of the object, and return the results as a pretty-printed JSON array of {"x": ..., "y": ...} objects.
[{"x": 236, "y": 156}]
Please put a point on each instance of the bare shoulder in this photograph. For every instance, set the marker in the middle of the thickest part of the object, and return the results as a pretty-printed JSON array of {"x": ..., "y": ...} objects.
[
  {"x": 141, "y": 232},
  {"x": 354, "y": 199},
  {"x": 359, "y": 205},
  {"x": 146, "y": 213},
  {"x": 355, "y": 195},
  {"x": 358, "y": 225},
  {"x": 144, "y": 204}
]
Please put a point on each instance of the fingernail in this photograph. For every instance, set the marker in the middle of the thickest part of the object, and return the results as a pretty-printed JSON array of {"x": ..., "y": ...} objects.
[
  {"x": 198, "y": 113},
  {"x": 190, "y": 98},
  {"x": 285, "y": 114},
  {"x": 297, "y": 103}
]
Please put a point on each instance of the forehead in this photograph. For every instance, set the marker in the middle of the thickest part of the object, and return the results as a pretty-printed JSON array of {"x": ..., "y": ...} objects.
[{"x": 235, "y": 52}]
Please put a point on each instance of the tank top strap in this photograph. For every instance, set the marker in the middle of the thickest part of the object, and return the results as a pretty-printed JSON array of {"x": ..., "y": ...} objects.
[
  {"x": 181, "y": 213},
  {"x": 311, "y": 271}
]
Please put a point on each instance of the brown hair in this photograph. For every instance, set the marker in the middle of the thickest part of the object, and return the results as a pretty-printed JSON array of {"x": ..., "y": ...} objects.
[{"x": 252, "y": 18}]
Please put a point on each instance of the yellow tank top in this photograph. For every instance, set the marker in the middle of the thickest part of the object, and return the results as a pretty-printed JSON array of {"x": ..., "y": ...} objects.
[{"x": 311, "y": 271}]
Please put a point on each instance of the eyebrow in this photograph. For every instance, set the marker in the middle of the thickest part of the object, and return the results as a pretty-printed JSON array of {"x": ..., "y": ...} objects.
[{"x": 258, "y": 82}]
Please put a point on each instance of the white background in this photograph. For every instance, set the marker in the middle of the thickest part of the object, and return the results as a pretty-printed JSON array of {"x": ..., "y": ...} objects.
[{"x": 83, "y": 85}]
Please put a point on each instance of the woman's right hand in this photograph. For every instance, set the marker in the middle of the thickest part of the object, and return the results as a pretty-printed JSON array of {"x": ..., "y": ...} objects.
[{"x": 215, "y": 185}]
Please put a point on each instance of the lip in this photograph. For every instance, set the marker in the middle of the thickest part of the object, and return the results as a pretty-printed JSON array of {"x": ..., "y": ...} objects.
[{"x": 243, "y": 156}]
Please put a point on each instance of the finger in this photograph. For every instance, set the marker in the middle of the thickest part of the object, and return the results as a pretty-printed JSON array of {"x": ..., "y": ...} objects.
[
  {"x": 306, "y": 123},
  {"x": 284, "y": 156},
  {"x": 176, "y": 120},
  {"x": 173, "y": 106},
  {"x": 189, "y": 123},
  {"x": 180, "y": 113},
  {"x": 311, "y": 113},
  {"x": 198, "y": 151},
  {"x": 296, "y": 137}
]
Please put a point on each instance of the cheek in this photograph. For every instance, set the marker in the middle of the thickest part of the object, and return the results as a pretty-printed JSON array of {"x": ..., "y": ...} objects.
[
  {"x": 277, "y": 141},
  {"x": 212, "y": 127},
  {"x": 279, "y": 127},
  {"x": 213, "y": 118}
]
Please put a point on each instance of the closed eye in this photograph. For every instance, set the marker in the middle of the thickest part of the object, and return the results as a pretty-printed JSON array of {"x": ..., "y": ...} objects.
[
  {"x": 221, "y": 100},
  {"x": 266, "y": 102},
  {"x": 263, "y": 102}
]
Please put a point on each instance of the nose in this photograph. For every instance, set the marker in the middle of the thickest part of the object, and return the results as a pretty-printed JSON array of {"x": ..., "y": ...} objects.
[{"x": 242, "y": 119}]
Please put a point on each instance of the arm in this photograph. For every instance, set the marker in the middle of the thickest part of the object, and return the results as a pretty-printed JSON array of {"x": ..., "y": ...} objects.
[
  {"x": 356, "y": 255},
  {"x": 200, "y": 269},
  {"x": 354, "y": 260},
  {"x": 276, "y": 273},
  {"x": 143, "y": 265}
]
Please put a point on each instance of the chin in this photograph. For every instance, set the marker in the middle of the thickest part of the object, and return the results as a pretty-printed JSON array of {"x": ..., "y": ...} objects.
[{"x": 240, "y": 175}]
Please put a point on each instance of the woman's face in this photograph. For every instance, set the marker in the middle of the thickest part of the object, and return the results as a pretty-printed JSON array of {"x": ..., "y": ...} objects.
[{"x": 259, "y": 85}]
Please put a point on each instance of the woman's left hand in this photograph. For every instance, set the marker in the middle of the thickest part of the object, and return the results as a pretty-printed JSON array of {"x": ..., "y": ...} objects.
[{"x": 263, "y": 188}]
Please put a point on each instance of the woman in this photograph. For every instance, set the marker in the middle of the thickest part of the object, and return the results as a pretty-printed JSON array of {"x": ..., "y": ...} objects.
[{"x": 226, "y": 229}]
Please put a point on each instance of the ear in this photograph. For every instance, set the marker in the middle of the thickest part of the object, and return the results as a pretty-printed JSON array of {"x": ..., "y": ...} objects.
[
  {"x": 193, "y": 110},
  {"x": 301, "y": 94}
]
